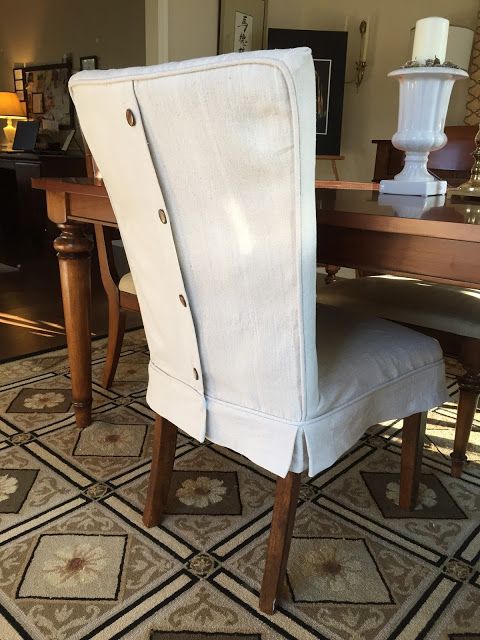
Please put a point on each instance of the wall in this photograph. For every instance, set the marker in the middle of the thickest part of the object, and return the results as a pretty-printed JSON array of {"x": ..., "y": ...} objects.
[
  {"x": 192, "y": 28},
  {"x": 372, "y": 111},
  {"x": 41, "y": 31}
]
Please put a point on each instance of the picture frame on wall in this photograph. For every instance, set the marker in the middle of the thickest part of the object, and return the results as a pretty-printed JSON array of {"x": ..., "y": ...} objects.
[
  {"x": 18, "y": 83},
  {"x": 37, "y": 103},
  {"x": 88, "y": 63},
  {"x": 329, "y": 51},
  {"x": 46, "y": 95},
  {"x": 242, "y": 25}
]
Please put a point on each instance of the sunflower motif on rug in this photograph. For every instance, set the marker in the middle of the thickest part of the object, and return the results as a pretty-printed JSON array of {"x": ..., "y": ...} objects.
[
  {"x": 201, "y": 492},
  {"x": 44, "y": 400},
  {"x": 79, "y": 564},
  {"x": 426, "y": 495},
  {"x": 8, "y": 485}
]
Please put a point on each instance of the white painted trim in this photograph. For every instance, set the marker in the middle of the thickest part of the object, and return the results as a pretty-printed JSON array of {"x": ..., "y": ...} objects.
[{"x": 156, "y": 31}]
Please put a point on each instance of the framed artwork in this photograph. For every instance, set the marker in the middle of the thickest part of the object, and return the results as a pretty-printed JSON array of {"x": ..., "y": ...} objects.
[
  {"x": 329, "y": 50},
  {"x": 88, "y": 63},
  {"x": 37, "y": 103},
  {"x": 241, "y": 25},
  {"x": 47, "y": 97},
  {"x": 18, "y": 83}
]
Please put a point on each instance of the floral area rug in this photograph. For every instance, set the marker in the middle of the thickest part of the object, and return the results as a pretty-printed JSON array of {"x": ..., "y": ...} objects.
[{"x": 76, "y": 562}]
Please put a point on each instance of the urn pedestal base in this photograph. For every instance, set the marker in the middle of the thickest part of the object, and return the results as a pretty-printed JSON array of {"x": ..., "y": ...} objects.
[{"x": 414, "y": 188}]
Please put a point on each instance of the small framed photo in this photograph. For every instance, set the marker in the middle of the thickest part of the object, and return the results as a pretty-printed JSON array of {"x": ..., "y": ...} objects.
[
  {"x": 18, "y": 74},
  {"x": 37, "y": 103},
  {"x": 87, "y": 63},
  {"x": 242, "y": 25},
  {"x": 21, "y": 95}
]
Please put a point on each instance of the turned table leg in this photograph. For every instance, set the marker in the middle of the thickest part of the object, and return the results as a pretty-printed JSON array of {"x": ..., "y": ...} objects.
[
  {"x": 73, "y": 252},
  {"x": 469, "y": 385},
  {"x": 331, "y": 271}
]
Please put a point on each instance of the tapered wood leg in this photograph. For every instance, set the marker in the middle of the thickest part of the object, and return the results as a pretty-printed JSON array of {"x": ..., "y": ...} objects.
[
  {"x": 467, "y": 405},
  {"x": 335, "y": 170},
  {"x": 413, "y": 434},
  {"x": 286, "y": 498},
  {"x": 163, "y": 457},
  {"x": 73, "y": 252},
  {"x": 116, "y": 330}
]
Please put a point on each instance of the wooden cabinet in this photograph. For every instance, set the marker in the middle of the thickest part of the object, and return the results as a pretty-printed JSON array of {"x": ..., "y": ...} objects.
[{"x": 23, "y": 211}]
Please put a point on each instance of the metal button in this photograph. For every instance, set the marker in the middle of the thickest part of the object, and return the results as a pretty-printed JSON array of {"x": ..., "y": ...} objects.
[
  {"x": 130, "y": 117},
  {"x": 163, "y": 216},
  {"x": 182, "y": 300},
  {"x": 195, "y": 373}
]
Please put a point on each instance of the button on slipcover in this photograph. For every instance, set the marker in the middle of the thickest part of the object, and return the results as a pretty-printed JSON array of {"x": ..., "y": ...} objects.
[{"x": 226, "y": 147}]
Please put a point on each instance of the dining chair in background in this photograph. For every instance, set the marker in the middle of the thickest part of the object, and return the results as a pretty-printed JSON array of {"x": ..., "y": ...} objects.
[
  {"x": 448, "y": 313},
  {"x": 120, "y": 290},
  {"x": 209, "y": 165}
]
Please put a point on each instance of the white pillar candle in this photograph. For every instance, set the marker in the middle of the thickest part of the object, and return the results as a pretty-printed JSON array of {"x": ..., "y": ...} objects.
[{"x": 431, "y": 35}]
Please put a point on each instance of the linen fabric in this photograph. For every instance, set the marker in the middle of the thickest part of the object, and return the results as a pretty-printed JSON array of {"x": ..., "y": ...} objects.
[
  {"x": 226, "y": 147},
  {"x": 424, "y": 304}
]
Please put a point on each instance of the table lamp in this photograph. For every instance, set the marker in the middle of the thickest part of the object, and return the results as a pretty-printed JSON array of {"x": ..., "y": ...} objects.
[{"x": 11, "y": 109}]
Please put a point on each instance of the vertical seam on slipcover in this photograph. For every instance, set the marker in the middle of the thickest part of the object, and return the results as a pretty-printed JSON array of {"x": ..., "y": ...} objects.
[
  {"x": 291, "y": 92},
  {"x": 140, "y": 123}
]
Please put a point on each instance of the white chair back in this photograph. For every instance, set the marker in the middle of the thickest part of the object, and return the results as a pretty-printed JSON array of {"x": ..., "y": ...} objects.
[{"x": 209, "y": 165}]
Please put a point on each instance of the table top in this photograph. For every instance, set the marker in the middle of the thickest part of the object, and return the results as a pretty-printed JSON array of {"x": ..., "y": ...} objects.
[{"x": 436, "y": 216}]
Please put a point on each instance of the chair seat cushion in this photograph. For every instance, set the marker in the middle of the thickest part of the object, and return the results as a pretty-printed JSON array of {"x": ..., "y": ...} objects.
[
  {"x": 369, "y": 370},
  {"x": 126, "y": 284},
  {"x": 414, "y": 302}
]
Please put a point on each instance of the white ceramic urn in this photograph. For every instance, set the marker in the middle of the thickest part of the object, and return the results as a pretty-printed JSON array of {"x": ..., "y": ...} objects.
[{"x": 424, "y": 97}]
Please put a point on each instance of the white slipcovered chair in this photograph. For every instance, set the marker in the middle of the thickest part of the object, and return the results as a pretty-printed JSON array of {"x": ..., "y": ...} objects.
[{"x": 209, "y": 165}]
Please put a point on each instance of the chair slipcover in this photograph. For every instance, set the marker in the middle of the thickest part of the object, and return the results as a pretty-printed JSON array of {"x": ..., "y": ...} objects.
[
  {"x": 225, "y": 146},
  {"x": 423, "y": 304}
]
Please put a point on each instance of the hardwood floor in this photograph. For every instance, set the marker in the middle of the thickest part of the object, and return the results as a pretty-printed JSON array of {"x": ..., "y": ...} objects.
[{"x": 31, "y": 314}]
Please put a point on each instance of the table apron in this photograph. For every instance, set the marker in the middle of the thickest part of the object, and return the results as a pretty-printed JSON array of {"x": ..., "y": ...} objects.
[{"x": 437, "y": 259}]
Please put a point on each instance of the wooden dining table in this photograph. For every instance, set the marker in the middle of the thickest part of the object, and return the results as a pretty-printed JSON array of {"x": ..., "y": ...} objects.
[{"x": 432, "y": 239}]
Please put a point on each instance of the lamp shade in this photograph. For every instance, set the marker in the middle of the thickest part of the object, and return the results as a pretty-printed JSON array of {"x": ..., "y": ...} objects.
[
  {"x": 459, "y": 46},
  {"x": 10, "y": 106}
]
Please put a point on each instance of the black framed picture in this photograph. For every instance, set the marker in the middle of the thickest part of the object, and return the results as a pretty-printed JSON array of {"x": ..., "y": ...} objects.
[
  {"x": 47, "y": 97},
  {"x": 329, "y": 50},
  {"x": 88, "y": 63}
]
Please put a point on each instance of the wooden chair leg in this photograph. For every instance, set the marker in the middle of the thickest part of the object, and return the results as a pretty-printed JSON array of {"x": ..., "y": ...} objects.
[
  {"x": 467, "y": 406},
  {"x": 116, "y": 330},
  {"x": 286, "y": 498},
  {"x": 412, "y": 446},
  {"x": 163, "y": 457}
]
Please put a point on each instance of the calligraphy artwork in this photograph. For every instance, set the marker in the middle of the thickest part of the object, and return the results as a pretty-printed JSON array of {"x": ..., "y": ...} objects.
[
  {"x": 243, "y": 32},
  {"x": 241, "y": 25}
]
